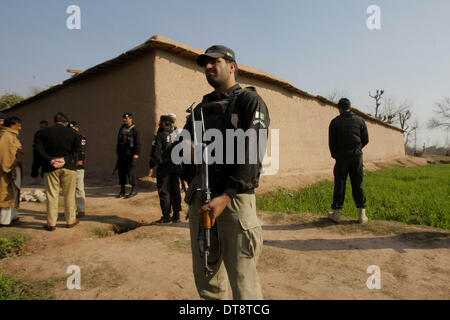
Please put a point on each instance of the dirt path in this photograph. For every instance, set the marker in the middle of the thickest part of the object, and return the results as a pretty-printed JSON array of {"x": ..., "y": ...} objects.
[{"x": 304, "y": 255}]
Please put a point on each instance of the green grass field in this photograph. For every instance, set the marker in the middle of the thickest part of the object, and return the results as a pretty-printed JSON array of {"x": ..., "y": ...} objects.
[{"x": 417, "y": 195}]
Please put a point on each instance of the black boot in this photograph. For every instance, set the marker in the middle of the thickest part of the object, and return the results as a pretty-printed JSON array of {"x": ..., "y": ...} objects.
[
  {"x": 132, "y": 193},
  {"x": 122, "y": 192},
  {"x": 176, "y": 217},
  {"x": 164, "y": 220}
]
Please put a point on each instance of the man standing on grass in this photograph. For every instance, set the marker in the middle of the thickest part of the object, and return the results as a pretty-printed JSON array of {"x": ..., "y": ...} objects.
[{"x": 347, "y": 136}]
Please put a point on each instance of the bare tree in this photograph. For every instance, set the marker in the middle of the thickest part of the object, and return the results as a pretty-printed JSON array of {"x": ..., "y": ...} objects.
[
  {"x": 443, "y": 115},
  {"x": 336, "y": 94},
  {"x": 390, "y": 110},
  {"x": 377, "y": 98},
  {"x": 412, "y": 130}
]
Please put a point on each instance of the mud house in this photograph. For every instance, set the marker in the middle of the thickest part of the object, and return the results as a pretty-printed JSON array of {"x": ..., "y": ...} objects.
[{"x": 161, "y": 76}]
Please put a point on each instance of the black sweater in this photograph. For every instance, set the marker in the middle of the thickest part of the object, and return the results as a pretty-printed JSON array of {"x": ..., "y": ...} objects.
[
  {"x": 55, "y": 142},
  {"x": 347, "y": 135}
]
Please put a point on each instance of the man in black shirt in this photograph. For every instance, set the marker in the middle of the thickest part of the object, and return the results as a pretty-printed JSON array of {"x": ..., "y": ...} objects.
[
  {"x": 80, "y": 160},
  {"x": 232, "y": 209},
  {"x": 167, "y": 173},
  {"x": 347, "y": 136},
  {"x": 57, "y": 146},
  {"x": 128, "y": 150},
  {"x": 36, "y": 164}
]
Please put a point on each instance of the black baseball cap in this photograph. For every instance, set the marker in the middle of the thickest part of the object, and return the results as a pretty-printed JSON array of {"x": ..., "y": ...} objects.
[
  {"x": 3, "y": 116},
  {"x": 166, "y": 118},
  {"x": 216, "y": 51}
]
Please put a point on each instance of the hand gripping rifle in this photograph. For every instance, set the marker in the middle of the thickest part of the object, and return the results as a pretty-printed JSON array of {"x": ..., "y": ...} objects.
[{"x": 204, "y": 236}]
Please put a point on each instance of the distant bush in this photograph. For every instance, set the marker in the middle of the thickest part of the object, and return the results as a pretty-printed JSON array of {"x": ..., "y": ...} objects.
[{"x": 9, "y": 99}]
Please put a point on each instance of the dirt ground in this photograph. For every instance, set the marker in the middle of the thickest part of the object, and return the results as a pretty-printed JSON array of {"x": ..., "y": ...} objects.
[{"x": 304, "y": 255}]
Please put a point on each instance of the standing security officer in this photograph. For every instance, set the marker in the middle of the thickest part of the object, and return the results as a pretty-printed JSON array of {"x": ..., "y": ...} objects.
[
  {"x": 80, "y": 161},
  {"x": 128, "y": 149},
  {"x": 236, "y": 234},
  {"x": 347, "y": 136},
  {"x": 167, "y": 173}
]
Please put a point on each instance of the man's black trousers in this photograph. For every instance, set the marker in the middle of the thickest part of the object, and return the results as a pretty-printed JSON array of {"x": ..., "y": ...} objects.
[
  {"x": 352, "y": 167},
  {"x": 36, "y": 164},
  {"x": 127, "y": 169},
  {"x": 168, "y": 184}
]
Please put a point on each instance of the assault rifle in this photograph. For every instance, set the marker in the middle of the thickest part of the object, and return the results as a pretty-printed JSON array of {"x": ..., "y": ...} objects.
[{"x": 204, "y": 235}]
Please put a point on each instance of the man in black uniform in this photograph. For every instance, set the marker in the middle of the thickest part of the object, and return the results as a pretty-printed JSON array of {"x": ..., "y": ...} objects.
[
  {"x": 57, "y": 146},
  {"x": 232, "y": 209},
  {"x": 347, "y": 137},
  {"x": 167, "y": 173},
  {"x": 80, "y": 160},
  {"x": 128, "y": 149},
  {"x": 36, "y": 164}
]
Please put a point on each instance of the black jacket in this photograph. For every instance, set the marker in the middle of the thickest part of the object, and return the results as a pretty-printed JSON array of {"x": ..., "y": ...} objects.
[
  {"x": 161, "y": 148},
  {"x": 128, "y": 142},
  {"x": 81, "y": 156},
  {"x": 347, "y": 135},
  {"x": 57, "y": 141},
  {"x": 237, "y": 108}
]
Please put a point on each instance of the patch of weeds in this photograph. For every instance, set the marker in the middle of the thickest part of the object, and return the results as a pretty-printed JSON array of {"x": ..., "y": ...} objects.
[
  {"x": 12, "y": 288},
  {"x": 12, "y": 245},
  {"x": 103, "y": 233}
]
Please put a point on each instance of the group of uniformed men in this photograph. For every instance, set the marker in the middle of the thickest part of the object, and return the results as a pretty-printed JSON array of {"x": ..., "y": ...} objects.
[{"x": 236, "y": 235}]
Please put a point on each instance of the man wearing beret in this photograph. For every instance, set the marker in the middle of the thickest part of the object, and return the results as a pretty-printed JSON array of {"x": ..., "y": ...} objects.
[
  {"x": 236, "y": 235},
  {"x": 347, "y": 136}
]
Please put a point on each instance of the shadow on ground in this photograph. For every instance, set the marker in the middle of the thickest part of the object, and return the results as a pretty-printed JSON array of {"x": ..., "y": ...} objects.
[{"x": 399, "y": 243}]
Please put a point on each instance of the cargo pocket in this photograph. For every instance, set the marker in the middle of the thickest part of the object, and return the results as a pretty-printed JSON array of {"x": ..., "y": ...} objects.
[{"x": 251, "y": 242}]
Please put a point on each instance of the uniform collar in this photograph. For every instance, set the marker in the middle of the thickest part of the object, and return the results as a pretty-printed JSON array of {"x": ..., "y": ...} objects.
[{"x": 224, "y": 95}]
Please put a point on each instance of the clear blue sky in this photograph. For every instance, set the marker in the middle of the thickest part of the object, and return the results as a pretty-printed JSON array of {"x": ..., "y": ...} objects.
[{"x": 318, "y": 46}]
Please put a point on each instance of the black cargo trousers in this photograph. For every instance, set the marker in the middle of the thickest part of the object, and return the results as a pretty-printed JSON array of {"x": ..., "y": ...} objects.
[
  {"x": 126, "y": 167},
  {"x": 353, "y": 167},
  {"x": 168, "y": 184}
]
